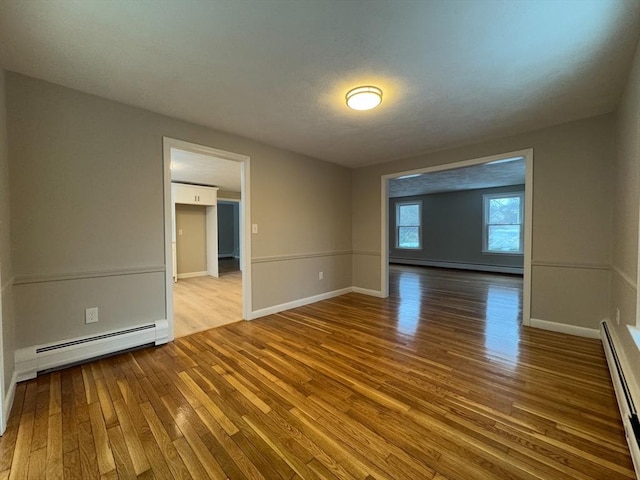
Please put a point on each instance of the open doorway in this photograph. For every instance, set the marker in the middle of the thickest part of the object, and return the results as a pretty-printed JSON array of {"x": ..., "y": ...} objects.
[
  {"x": 456, "y": 174},
  {"x": 206, "y": 215}
]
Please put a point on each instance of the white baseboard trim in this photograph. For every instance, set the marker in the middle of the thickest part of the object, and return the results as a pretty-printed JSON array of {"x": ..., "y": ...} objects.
[
  {"x": 8, "y": 402},
  {"x": 298, "y": 303},
  {"x": 308, "y": 300},
  {"x": 460, "y": 265},
  {"x": 366, "y": 291},
  {"x": 565, "y": 328},
  {"x": 31, "y": 360},
  {"x": 193, "y": 274}
]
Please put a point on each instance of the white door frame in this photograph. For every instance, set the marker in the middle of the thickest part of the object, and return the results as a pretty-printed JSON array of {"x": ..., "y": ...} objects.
[
  {"x": 245, "y": 220},
  {"x": 528, "y": 220},
  {"x": 3, "y": 420}
]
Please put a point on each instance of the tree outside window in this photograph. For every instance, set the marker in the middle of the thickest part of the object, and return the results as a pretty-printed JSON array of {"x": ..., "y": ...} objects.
[
  {"x": 408, "y": 223},
  {"x": 503, "y": 223}
]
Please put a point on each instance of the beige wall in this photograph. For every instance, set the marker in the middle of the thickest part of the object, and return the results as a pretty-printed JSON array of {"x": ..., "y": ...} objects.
[
  {"x": 304, "y": 223},
  {"x": 7, "y": 320},
  {"x": 191, "y": 246},
  {"x": 304, "y": 271},
  {"x": 571, "y": 244},
  {"x": 626, "y": 203},
  {"x": 87, "y": 211},
  {"x": 229, "y": 195}
]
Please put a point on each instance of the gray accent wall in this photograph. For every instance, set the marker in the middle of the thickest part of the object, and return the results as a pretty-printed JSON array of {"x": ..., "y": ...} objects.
[
  {"x": 228, "y": 229},
  {"x": 451, "y": 229}
]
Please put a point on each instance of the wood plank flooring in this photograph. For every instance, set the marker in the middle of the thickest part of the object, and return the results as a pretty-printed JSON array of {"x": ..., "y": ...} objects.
[
  {"x": 439, "y": 381},
  {"x": 201, "y": 303}
]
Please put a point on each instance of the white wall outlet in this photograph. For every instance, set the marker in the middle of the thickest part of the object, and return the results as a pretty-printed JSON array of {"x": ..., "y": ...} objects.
[
  {"x": 320, "y": 275},
  {"x": 617, "y": 316},
  {"x": 91, "y": 315},
  {"x": 254, "y": 228},
  {"x": 179, "y": 231}
]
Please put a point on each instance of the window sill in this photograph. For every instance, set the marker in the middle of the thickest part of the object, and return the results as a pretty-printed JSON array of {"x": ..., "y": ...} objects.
[
  {"x": 635, "y": 335},
  {"x": 511, "y": 254}
]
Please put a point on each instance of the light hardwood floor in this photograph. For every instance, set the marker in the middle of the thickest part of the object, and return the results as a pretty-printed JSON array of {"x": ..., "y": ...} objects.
[
  {"x": 201, "y": 303},
  {"x": 439, "y": 381}
]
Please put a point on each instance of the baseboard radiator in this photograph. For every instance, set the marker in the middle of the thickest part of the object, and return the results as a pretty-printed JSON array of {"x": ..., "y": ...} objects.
[
  {"x": 624, "y": 396},
  {"x": 42, "y": 358}
]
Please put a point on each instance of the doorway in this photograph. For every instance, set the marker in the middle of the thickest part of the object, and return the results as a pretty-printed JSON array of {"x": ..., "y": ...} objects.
[
  {"x": 195, "y": 290},
  {"x": 527, "y": 156}
]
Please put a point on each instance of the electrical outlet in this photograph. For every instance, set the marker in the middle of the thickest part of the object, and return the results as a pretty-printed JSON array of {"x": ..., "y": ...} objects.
[
  {"x": 617, "y": 316},
  {"x": 91, "y": 315},
  {"x": 320, "y": 275}
]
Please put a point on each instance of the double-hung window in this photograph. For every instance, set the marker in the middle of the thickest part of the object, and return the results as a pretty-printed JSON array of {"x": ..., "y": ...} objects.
[
  {"x": 503, "y": 223},
  {"x": 408, "y": 225}
]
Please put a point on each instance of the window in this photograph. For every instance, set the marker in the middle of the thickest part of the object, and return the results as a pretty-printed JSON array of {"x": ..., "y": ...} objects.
[
  {"x": 408, "y": 220},
  {"x": 503, "y": 223}
]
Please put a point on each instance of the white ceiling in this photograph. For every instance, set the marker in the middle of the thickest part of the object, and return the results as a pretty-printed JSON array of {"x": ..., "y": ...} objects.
[
  {"x": 487, "y": 175},
  {"x": 189, "y": 167},
  {"x": 452, "y": 72}
]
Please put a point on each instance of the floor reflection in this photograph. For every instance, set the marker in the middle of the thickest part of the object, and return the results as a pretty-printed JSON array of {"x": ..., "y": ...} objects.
[
  {"x": 410, "y": 291},
  {"x": 427, "y": 300},
  {"x": 502, "y": 321}
]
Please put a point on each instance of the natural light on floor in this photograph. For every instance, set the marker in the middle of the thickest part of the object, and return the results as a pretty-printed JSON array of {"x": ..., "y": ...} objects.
[
  {"x": 409, "y": 310},
  {"x": 502, "y": 322}
]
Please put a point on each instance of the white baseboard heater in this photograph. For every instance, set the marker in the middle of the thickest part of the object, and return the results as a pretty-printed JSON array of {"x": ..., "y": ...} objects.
[
  {"x": 41, "y": 358},
  {"x": 624, "y": 397}
]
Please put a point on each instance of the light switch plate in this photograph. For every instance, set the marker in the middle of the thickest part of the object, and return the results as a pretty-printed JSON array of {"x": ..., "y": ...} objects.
[{"x": 254, "y": 228}]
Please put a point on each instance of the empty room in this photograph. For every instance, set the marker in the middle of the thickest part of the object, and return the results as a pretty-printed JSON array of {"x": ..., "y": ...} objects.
[{"x": 428, "y": 212}]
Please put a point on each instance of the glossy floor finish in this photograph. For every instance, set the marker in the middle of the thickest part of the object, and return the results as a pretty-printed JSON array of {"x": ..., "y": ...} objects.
[{"x": 438, "y": 381}]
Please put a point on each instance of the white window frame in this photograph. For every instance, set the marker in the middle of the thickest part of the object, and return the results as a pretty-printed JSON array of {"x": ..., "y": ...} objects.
[
  {"x": 397, "y": 226},
  {"x": 485, "y": 226}
]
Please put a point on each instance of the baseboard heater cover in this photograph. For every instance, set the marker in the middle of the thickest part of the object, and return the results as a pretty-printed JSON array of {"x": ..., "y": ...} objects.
[
  {"x": 479, "y": 267},
  {"x": 624, "y": 397},
  {"x": 40, "y": 358}
]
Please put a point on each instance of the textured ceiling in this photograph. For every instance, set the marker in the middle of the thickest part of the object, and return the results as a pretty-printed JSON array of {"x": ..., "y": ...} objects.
[
  {"x": 498, "y": 174},
  {"x": 188, "y": 167},
  {"x": 453, "y": 72}
]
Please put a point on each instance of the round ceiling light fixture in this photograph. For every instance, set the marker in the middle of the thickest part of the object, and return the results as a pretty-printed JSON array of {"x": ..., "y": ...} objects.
[{"x": 364, "y": 98}]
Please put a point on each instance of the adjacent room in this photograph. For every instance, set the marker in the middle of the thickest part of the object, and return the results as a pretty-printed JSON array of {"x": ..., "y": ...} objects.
[
  {"x": 206, "y": 192},
  {"x": 452, "y": 228},
  {"x": 336, "y": 239}
]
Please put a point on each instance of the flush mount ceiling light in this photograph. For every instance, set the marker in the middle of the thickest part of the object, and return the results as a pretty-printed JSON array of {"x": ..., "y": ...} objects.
[{"x": 364, "y": 98}]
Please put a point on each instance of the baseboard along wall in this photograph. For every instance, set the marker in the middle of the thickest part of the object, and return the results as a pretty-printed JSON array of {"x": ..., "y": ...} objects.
[
  {"x": 626, "y": 391},
  {"x": 192, "y": 274},
  {"x": 565, "y": 328},
  {"x": 459, "y": 265},
  {"x": 39, "y": 358}
]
